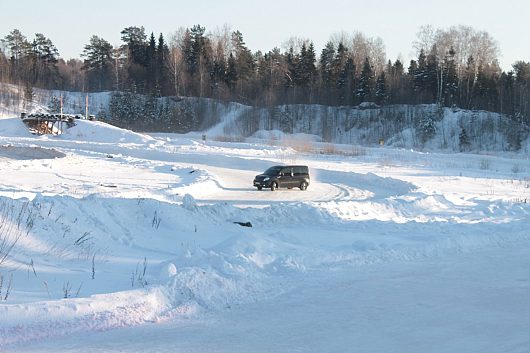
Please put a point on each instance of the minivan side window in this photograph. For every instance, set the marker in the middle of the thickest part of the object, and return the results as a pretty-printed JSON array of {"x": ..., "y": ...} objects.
[
  {"x": 286, "y": 171},
  {"x": 300, "y": 170}
]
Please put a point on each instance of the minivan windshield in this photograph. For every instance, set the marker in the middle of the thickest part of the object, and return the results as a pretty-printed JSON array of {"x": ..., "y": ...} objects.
[{"x": 273, "y": 170}]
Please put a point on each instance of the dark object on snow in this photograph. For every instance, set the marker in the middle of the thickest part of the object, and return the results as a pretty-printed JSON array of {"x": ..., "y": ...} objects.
[
  {"x": 283, "y": 176},
  {"x": 192, "y": 171},
  {"x": 244, "y": 224},
  {"x": 109, "y": 156}
]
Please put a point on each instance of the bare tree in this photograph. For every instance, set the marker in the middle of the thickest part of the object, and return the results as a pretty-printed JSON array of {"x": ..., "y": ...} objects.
[
  {"x": 221, "y": 39},
  {"x": 361, "y": 47},
  {"x": 295, "y": 43},
  {"x": 426, "y": 38},
  {"x": 176, "y": 62},
  {"x": 464, "y": 40}
]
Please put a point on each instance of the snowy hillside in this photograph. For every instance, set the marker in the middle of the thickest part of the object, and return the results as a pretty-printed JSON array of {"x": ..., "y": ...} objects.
[
  {"x": 13, "y": 101},
  {"x": 400, "y": 126},
  {"x": 118, "y": 241}
]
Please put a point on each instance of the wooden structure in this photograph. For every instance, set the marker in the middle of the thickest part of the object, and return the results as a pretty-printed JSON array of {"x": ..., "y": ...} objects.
[{"x": 42, "y": 124}]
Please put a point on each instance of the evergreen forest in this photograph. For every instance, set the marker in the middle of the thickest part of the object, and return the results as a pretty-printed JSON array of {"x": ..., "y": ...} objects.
[{"x": 454, "y": 67}]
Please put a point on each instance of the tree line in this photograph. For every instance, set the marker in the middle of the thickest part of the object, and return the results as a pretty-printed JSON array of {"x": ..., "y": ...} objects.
[{"x": 454, "y": 67}]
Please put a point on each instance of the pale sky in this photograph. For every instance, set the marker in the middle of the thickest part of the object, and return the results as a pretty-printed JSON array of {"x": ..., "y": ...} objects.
[{"x": 268, "y": 24}]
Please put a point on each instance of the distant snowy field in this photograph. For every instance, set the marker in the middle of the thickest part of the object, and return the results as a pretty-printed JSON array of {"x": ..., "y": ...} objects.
[{"x": 127, "y": 243}]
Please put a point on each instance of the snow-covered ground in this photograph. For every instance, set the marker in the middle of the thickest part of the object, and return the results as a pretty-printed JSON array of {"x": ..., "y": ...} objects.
[{"x": 127, "y": 243}]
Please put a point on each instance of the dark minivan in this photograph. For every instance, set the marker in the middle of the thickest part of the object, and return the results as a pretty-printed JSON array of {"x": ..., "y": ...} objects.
[{"x": 283, "y": 176}]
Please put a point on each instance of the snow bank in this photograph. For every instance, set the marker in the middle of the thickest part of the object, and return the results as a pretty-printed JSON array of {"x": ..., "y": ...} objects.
[
  {"x": 97, "y": 131},
  {"x": 21, "y": 153},
  {"x": 13, "y": 127},
  {"x": 51, "y": 319}
]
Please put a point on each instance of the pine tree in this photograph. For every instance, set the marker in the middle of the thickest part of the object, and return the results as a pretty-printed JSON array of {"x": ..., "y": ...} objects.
[
  {"x": 44, "y": 59},
  {"x": 152, "y": 61},
  {"x": 450, "y": 86},
  {"x": 413, "y": 82},
  {"x": 291, "y": 75},
  {"x": 271, "y": 75},
  {"x": 337, "y": 68},
  {"x": 135, "y": 40},
  {"x": 197, "y": 56},
  {"x": 231, "y": 73},
  {"x": 463, "y": 140},
  {"x": 18, "y": 45},
  {"x": 193, "y": 48},
  {"x": 162, "y": 66},
  {"x": 326, "y": 72},
  {"x": 308, "y": 70},
  {"x": 217, "y": 74},
  {"x": 135, "y": 48},
  {"x": 291, "y": 80},
  {"x": 54, "y": 105},
  {"x": 426, "y": 128},
  {"x": 19, "y": 48},
  {"x": 301, "y": 76},
  {"x": 506, "y": 92},
  {"x": 366, "y": 82},
  {"x": 420, "y": 74},
  {"x": 98, "y": 63},
  {"x": 243, "y": 56},
  {"x": 433, "y": 78},
  {"x": 522, "y": 91},
  {"x": 398, "y": 90},
  {"x": 346, "y": 83},
  {"x": 380, "y": 90},
  {"x": 309, "y": 77}
]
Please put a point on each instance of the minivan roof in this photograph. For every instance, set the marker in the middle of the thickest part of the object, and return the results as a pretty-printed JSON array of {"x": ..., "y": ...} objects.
[{"x": 290, "y": 165}]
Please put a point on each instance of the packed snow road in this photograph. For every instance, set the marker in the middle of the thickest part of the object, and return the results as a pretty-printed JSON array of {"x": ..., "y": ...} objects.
[
  {"x": 82, "y": 173},
  {"x": 160, "y": 166}
]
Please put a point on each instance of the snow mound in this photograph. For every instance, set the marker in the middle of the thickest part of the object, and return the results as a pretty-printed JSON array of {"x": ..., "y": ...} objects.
[
  {"x": 13, "y": 127},
  {"x": 40, "y": 320},
  {"x": 189, "y": 203},
  {"x": 20, "y": 153},
  {"x": 98, "y": 131}
]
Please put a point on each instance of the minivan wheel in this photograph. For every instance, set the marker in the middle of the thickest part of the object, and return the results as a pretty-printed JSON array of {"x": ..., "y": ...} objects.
[
  {"x": 274, "y": 186},
  {"x": 303, "y": 185},
  {"x": 260, "y": 187}
]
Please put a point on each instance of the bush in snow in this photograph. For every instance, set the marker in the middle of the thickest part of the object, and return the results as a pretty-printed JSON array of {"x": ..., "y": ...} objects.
[
  {"x": 14, "y": 223},
  {"x": 463, "y": 139},
  {"x": 426, "y": 128},
  {"x": 189, "y": 203}
]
